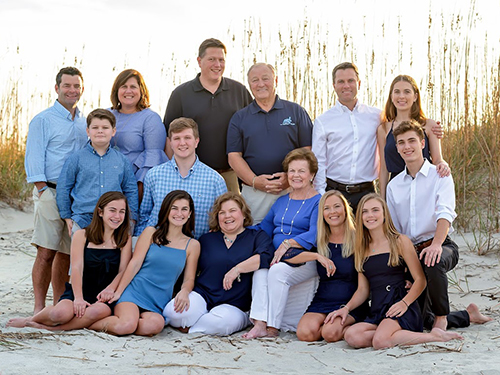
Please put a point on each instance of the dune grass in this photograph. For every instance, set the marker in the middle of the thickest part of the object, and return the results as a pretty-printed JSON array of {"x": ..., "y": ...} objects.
[
  {"x": 460, "y": 87},
  {"x": 14, "y": 189}
]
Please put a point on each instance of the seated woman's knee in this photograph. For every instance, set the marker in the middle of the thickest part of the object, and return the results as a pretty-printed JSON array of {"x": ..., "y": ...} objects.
[
  {"x": 353, "y": 337},
  {"x": 332, "y": 333},
  {"x": 60, "y": 315},
  {"x": 305, "y": 334},
  {"x": 125, "y": 327},
  {"x": 381, "y": 341}
]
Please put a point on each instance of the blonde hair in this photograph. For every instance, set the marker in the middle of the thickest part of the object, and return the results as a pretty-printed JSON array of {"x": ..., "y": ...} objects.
[
  {"x": 363, "y": 237},
  {"x": 324, "y": 231}
]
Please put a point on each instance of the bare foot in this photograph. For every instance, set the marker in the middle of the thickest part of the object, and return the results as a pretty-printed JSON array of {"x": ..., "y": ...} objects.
[
  {"x": 443, "y": 336},
  {"x": 272, "y": 332},
  {"x": 33, "y": 324},
  {"x": 17, "y": 322},
  {"x": 440, "y": 322},
  {"x": 476, "y": 316},
  {"x": 258, "y": 330}
]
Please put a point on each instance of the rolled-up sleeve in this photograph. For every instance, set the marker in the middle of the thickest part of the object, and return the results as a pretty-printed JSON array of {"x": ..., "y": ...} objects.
[{"x": 445, "y": 200}]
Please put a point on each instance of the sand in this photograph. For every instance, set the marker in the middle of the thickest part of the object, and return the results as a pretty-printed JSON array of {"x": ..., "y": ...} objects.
[{"x": 31, "y": 351}]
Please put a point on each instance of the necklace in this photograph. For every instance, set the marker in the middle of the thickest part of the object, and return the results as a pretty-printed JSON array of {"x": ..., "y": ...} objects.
[
  {"x": 228, "y": 240},
  {"x": 294, "y": 216},
  {"x": 105, "y": 242}
]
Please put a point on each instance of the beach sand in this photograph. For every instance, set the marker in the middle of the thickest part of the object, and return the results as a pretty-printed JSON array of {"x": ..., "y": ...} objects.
[{"x": 31, "y": 351}]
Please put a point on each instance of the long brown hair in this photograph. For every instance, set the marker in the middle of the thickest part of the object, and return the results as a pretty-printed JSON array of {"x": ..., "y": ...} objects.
[
  {"x": 95, "y": 231},
  {"x": 416, "y": 113},
  {"x": 160, "y": 235},
  {"x": 120, "y": 81},
  {"x": 324, "y": 232},
  {"x": 363, "y": 237}
]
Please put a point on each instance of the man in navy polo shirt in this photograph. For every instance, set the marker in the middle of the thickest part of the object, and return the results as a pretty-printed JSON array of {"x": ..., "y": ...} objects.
[
  {"x": 260, "y": 136},
  {"x": 210, "y": 100}
]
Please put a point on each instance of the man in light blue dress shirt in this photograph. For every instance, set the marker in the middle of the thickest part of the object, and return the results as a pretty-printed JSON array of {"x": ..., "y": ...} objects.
[
  {"x": 53, "y": 135},
  {"x": 183, "y": 172}
]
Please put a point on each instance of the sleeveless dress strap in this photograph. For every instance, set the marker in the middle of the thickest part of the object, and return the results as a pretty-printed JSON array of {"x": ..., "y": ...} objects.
[{"x": 188, "y": 243}]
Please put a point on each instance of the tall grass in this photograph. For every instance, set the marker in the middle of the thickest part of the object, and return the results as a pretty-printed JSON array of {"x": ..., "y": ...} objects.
[
  {"x": 459, "y": 82},
  {"x": 13, "y": 187}
]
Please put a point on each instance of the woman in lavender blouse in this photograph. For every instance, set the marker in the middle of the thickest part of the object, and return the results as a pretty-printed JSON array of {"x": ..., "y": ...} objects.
[{"x": 140, "y": 134}]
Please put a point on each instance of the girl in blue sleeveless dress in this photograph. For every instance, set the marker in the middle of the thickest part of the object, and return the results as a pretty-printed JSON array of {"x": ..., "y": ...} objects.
[
  {"x": 160, "y": 256},
  {"x": 99, "y": 255},
  {"x": 381, "y": 255}
]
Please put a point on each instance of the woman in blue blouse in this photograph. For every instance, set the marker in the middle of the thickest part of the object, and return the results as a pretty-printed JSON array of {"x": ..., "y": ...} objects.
[
  {"x": 140, "y": 134},
  {"x": 291, "y": 223},
  {"x": 229, "y": 254}
]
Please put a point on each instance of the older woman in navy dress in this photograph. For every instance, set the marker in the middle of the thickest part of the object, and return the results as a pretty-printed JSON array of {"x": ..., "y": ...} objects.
[
  {"x": 229, "y": 255},
  {"x": 381, "y": 256},
  {"x": 292, "y": 224},
  {"x": 140, "y": 133},
  {"x": 335, "y": 265}
]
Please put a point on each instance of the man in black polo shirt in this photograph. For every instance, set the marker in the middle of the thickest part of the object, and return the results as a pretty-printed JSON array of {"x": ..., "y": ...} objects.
[{"x": 210, "y": 100}]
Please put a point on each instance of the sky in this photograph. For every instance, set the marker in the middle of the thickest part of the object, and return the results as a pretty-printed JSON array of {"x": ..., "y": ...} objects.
[{"x": 160, "y": 38}]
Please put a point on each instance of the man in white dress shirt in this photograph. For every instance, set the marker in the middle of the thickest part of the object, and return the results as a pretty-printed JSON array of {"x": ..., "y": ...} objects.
[
  {"x": 345, "y": 140},
  {"x": 422, "y": 206}
]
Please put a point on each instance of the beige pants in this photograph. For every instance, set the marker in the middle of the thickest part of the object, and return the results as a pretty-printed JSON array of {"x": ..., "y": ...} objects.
[
  {"x": 50, "y": 231},
  {"x": 259, "y": 202},
  {"x": 231, "y": 181}
]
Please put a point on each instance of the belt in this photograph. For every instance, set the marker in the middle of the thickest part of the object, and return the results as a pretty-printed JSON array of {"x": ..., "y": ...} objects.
[
  {"x": 51, "y": 185},
  {"x": 351, "y": 188},
  {"x": 223, "y": 170},
  {"x": 422, "y": 245}
]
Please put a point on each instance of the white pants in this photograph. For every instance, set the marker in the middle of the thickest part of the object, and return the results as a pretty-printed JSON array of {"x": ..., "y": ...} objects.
[
  {"x": 221, "y": 320},
  {"x": 259, "y": 202},
  {"x": 281, "y": 295}
]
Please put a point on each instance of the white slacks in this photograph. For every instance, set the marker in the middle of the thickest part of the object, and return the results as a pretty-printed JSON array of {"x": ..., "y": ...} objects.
[
  {"x": 221, "y": 320},
  {"x": 281, "y": 295}
]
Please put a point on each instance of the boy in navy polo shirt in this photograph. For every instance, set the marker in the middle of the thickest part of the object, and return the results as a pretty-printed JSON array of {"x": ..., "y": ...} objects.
[{"x": 93, "y": 171}]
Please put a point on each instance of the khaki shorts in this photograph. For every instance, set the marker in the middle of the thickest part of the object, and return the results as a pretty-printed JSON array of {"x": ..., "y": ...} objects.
[
  {"x": 259, "y": 202},
  {"x": 50, "y": 231},
  {"x": 231, "y": 181}
]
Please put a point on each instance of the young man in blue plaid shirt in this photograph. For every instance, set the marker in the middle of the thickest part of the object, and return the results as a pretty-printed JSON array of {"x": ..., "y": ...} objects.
[{"x": 183, "y": 172}]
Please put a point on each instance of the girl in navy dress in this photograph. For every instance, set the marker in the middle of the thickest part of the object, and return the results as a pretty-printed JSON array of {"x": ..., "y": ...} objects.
[
  {"x": 381, "y": 256},
  {"x": 338, "y": 276},
  {"x": 99, "y": 255},
  {"x": 160, "y": 256},
  {"x": 404, "y": 104}
]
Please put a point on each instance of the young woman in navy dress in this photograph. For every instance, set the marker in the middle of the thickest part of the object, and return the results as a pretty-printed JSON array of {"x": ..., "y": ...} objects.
[
  {"x": 381, "y": 256},
  {"x": 337, "y": 274}
]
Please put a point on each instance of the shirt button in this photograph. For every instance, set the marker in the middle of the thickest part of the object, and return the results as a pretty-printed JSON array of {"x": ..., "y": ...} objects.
[
  {"x": 102, "y": 186},
  {"x": 102, "y": 172}
]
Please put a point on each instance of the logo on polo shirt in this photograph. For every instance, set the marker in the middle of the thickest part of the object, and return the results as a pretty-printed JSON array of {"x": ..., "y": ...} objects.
[{"x": 287, "y": 121}]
